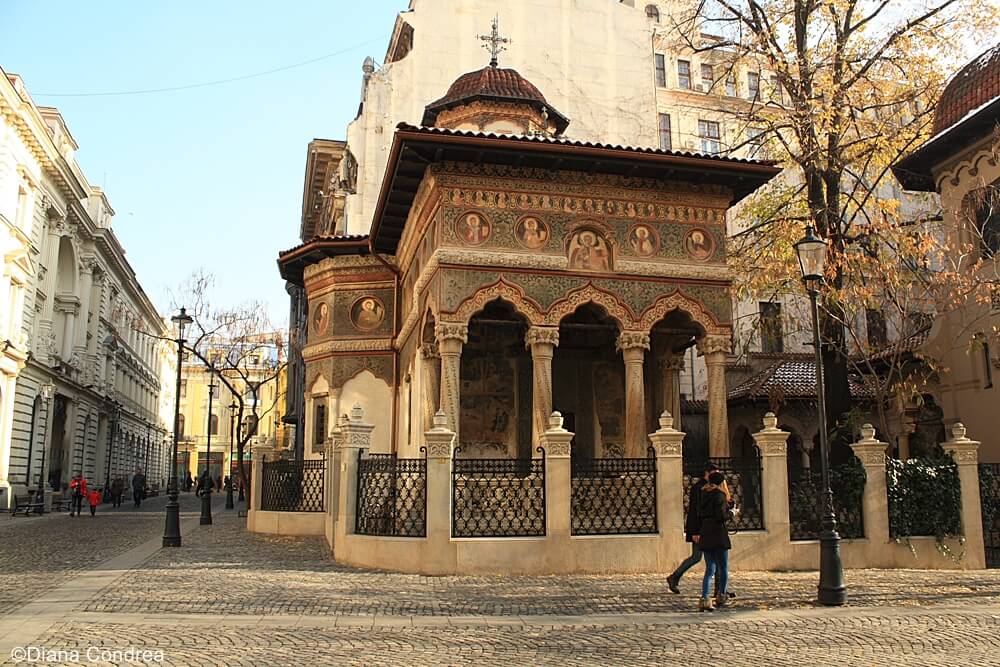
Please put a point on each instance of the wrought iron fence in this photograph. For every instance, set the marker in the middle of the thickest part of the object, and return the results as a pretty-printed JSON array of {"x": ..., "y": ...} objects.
[
  {"x": 292, "y": 486},
  {"x": 498, "y": 497},
  {"x": 805, "y": 506},
  {"x": 743, "y": 475},
  {"x": 989, "y": 495},
  {"x": 392, "y": 496},
  {"x": 613, "y": 496}
]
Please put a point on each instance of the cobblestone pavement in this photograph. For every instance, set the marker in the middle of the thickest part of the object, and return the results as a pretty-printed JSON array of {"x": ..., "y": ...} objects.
[
  {"x": 37, "y": 553},
  {"x": 230, "y": 571},
  {"x": 859, "y": 638}
]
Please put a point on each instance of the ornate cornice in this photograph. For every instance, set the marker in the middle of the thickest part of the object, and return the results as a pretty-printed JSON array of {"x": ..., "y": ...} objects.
[
  {"x": 444, "y": 331},
  {"x": 628, "y": 340},
  {"x": 543, "y": 335},
  {"x": 357, "y": 345}
]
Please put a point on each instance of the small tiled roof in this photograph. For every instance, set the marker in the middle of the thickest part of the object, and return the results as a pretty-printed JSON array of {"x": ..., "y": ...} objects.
[
  {"x": 974, "y": 85},
  {"x": 791, "y": 379},
  {"x": 494, "y": 83}
]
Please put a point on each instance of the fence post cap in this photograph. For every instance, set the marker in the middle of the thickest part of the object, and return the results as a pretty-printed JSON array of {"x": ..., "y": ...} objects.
[
  {"x": 770, "y": 421},
  {"x": 958, "y": 432},
  {"x": 666, "y": 420},
  {"x": 357, "y": 413},
  {"x": 869, "y": 450},
  {"x": 556, "y": 421}
]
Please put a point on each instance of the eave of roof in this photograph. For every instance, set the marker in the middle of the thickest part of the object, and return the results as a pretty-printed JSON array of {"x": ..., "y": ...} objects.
[
  {"x": 415, "y": 148},
  {"x": 292, "y": 262}
]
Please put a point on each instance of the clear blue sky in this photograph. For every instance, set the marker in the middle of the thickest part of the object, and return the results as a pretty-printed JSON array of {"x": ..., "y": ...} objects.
[{"x": 208, "y": 177}]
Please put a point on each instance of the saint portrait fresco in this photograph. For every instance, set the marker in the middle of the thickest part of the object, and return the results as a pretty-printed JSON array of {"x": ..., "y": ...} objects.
[
  {"x": 473, "y": 229},
  {"x": 531, "y": 232},
  {"x": 367, "y": 313},
  {"x": 699, "y": 244},
  {"x": 589, "y": 251},
  {"x": 321, "y": 318},
  {"x": 644, "y": 240}
]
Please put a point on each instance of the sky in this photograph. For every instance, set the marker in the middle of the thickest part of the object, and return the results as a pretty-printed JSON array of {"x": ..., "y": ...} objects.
[{"x": 208, "y": 177}]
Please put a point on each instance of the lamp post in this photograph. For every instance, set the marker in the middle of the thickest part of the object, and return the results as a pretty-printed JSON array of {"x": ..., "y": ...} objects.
[
  {"x": 172, "y": 529},
  {"x": 206, "y": 488},
  {"x": 811, "y": 251},
  {"x": 46, "y": 392},
  {"x": 114, "y": 414},
  {"x": 233, "y": 407}
]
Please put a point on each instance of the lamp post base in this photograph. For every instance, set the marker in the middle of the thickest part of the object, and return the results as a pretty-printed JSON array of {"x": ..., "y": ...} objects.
[
  {"x": 832, "y": 590},
  {"x": 172, "y": 528},
  {"x": 206, "y": 508}
]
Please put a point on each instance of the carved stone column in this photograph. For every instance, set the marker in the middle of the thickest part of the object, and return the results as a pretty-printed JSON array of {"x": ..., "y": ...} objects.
[
  {"x": 440, "y": 442},
  {"x": 558, "y": 478},
  {"x": 875, "y": 502},
  {"x": 668, "y": 443},
  {"x": 671, "y": 367},
  {"x": 450, "y": 339},
  {"x": 966, "y": 455},
  {"x": 542, "y": 341},
  {"x": 633, "y": 345},
  {"x": 87, "y": 268},
  {"x": 715, "y": 349},
  {"x": 431, "y": 389},
  {"x": 773, "y": 445}
]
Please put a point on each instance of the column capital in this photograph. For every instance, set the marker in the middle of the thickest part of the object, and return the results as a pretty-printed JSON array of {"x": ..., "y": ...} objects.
[
  {"x": 962, "y": 449},
  {"x": 868, "y": 449},
  {"x": 430, "y": 350},
  {"x": 771, "y": 440},
  {"x": 667, "y": 440},
  {"x": 714, "y": 343},
  {"x": 556, "y": 439},
  {"x": 629, "y": 340},
  {"x": 451, "y": 336},
  {"x": 542, "y": 335},
  {"x": 674, "y": 362},
  {"x": 440, "y": 439}
]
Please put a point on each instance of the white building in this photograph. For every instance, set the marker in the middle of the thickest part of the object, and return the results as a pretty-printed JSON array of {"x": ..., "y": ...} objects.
[{"x": 82, "y": 359}]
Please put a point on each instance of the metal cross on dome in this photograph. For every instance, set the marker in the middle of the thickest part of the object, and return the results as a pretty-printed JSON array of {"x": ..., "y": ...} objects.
[{"x": 494, "y": 42}]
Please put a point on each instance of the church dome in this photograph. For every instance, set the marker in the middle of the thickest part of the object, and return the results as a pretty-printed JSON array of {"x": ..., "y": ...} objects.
[
  {"x": 975, "y": 84},
  {"x": 494, "y": 84}
]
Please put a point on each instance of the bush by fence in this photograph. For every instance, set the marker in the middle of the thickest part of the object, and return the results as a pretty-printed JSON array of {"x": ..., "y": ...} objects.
[{"x": 925, "y": 498}]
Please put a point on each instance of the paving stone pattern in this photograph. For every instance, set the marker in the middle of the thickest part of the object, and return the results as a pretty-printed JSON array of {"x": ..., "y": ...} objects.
[
  {"x": 230, "y": 571},
  {"x": 940, "y": 639}
]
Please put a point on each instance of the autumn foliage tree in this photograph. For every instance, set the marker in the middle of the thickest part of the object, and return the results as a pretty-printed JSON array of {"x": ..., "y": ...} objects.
[{"x": 855, "y": 83}]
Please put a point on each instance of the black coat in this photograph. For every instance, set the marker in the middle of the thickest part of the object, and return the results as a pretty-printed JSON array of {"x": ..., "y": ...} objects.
[
  {"x": 714, "y": 511},
  {"x": 692, "y": 522}
]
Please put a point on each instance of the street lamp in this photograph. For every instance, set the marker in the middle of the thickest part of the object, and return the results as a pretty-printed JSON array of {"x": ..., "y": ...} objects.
[
  {"x": 172, "y": 529},
  {"x": 206, "y": 488},
  {"x": 46, "y": 393},
  {"x": 233, "y": 407},
  {"x": 811, "y": 251}
]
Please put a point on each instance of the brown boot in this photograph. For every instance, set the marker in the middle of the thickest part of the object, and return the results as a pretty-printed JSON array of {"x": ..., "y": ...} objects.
[
  {"x": 721, "y": 600},
  {"x": 705, "y": 604}
]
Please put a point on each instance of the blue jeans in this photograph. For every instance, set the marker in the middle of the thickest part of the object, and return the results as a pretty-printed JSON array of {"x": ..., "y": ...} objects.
[
  {"x": 688, "y": 562},
  {"x": 717, "y": 565}
]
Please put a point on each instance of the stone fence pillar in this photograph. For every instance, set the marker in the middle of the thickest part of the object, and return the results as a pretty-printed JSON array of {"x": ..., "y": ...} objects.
[
  {"x": 773, "y": 445},
  {"x": 667, "y": 441},
  {"x": 440, "y": 448},
  {"x": 966, "y": 455},
  {"x": 355, "y": 435},
  {"x": 558, "y": 478},
  {"x": 875, "y": 503}
]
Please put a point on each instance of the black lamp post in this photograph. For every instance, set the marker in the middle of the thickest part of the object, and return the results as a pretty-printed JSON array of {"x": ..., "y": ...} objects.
[
  {"x": 206, "y": 488},
  {"x": 172, "y": 529},
  {"x": 233, "y": 407},
  {"x": 811, "y": 251},
  {"x": 46, "y": 392}
]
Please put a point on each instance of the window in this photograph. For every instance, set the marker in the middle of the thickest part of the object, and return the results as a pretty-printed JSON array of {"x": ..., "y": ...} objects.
[
  {"x": 184, "y": 388},
  {"x": 213, "y": 425},
  {"x": 878, "y": 333},
  {"x": 250, "y": 424},
  {"x": 661, "y": 70},
  {"x": 683, "y": 74},
  {"x": 988, "y": 223},
  {"x": 731, "y": 84},
  {"x": 771, "y": 339},
  {"x": 709, "y": 133},
  {"x": 319, "y": 424},
  {"x": 665, "y": 143},
  {"x": 753, "y": 85},
  {"x": 653, "y": 13},
  {"x": 707, "y": 78},
  {"x": 755, "y": 142},
  {"x": 180, "y": 426},
  {"x": 777, "y": 92}
]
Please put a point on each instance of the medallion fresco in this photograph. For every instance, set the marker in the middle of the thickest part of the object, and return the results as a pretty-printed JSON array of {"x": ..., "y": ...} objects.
[
  {"x": 531, "y": 232},
  {"x": 320, "y": 320},
  {"x": 699, "y": 244},
  {"x": 363, "y": 312},
  {"x": 473, "y": 228},
  {"x": 643, "y": 240},
  {"x": 588, "y": 250},
  {"x": 367, "y": 313}
]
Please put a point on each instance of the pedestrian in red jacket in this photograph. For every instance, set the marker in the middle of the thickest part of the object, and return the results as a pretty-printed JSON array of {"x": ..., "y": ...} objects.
[
  {"x": 94, "y": 498},
  {"x": 77, "y": 490}
]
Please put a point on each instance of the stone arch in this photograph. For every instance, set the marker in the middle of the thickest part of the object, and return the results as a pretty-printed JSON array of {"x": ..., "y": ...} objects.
[
  {"x": 680, "y": 301},
  {"x": 504, "y": 291},
  {"x": 66, "y": 267},
  {"x": 590, "y": 293}
]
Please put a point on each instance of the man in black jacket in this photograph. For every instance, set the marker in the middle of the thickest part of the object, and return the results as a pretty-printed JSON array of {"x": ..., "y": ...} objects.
[{"x": 692, "y": 529}]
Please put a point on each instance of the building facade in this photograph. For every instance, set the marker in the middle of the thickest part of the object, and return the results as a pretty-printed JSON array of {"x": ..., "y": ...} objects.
[{"x": 84, "y": 335}]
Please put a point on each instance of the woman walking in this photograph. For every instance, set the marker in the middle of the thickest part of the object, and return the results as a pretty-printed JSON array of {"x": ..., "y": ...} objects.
[{"x": 714, "y": 541}]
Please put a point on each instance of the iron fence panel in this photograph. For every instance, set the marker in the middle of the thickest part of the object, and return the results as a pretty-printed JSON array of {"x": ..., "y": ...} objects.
[
  {"x": 805, "y": 509},
  {"x": 743, "y": 475},
  {"x": 989, "y": 495},
  {"x": 293, "y": 486},
  {"x": 613, "y": 496},
  {"x": 498, "y": 497},
  {"x": 392, "y": 496}
]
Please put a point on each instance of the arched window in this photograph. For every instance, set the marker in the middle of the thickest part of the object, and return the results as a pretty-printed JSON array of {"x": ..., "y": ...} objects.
[
  {"x": 213, "y": 425},
  {"x": 653, "y": 13},
  {"x": 180, "y": 426}
]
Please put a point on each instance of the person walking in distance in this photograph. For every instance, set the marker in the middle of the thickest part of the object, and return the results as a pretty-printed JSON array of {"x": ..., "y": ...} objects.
[
  {"x": 94, "y": 499},
  {"x": 692, "y": 529},
  {"x": 117, "y": 489},
  {"x": 138, "y": 486},
  {"x": 714, "y": 510},
  {"x": 77, "y": 490}
]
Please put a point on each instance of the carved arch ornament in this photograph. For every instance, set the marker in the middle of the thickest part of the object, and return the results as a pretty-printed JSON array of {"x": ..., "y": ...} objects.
[
  {"x": 339, "y": 369},
  {"x": 589, "y": 293}
]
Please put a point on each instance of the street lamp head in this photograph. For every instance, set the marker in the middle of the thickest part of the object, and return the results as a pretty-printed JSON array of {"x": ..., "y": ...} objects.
[
  {"x": 811, "y": 251},
  {"x": 182, "y": 320}
]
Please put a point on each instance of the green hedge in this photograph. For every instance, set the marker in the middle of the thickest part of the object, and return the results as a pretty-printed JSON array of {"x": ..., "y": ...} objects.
[{"x": 925, "y": 498}]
